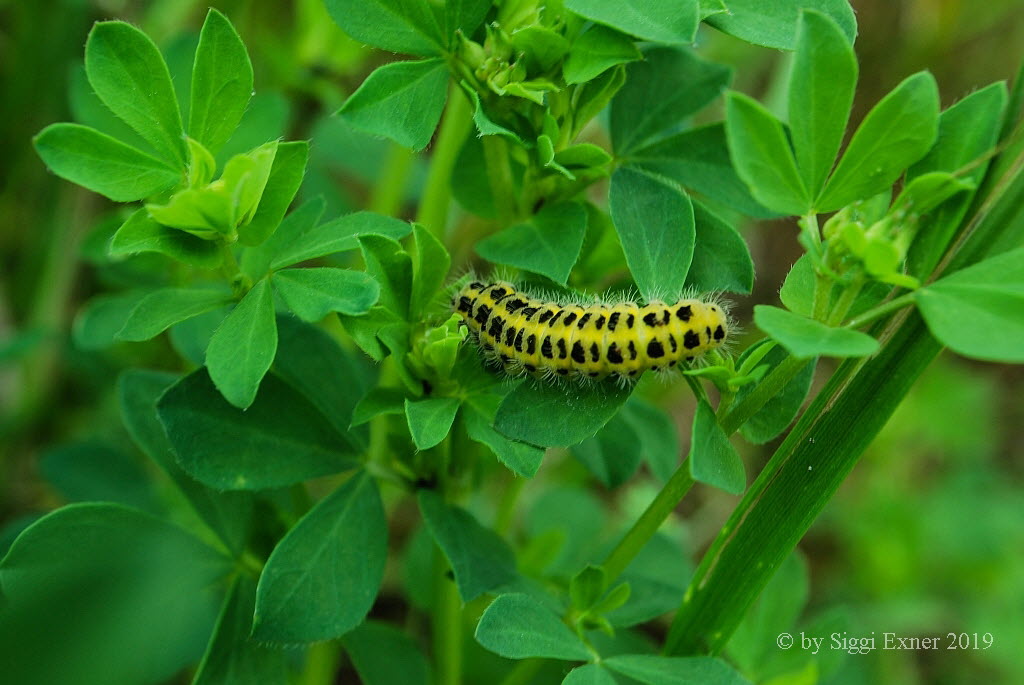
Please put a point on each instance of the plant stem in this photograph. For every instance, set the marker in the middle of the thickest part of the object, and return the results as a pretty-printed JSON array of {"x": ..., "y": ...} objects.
[
  {"x": 657, "y": 511},
  {"x": 499, "y": 175},
  {"x": 321, "y": 664},
  {"x": 437, "y": 194},
  {"x": 845, "y": 301},
  {"x": 389, "y": 191},
  {"x": 881, "y": 310},
  {"x": 447, "y": 625}
]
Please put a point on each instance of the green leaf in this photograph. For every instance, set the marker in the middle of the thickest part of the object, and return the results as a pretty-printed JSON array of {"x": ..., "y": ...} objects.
[
  {"x": 978, "y": 311},
  {"x": 485, "y": 125},
  {"x": 314, "y": 293},
  {"x": 256, "y": 260},
  {"x": 897, "y": 132},
  {"x": 132, "y": 598},
  {"x": 774, "y": 24},
  {"x": 141, "y": 234},
  {"x": 232, "y": 657},
  {"x": 555, "y": 415},
  {"x": 589, "y": 674},
  {"x": 678, "y": 670},
  {"x": 165, "y": 307},
  {"x": 778, "y": 412},
  {"x": 480, "y": 559},
  {"x": 329, "y": 376},
  {"x": 280, "y": 440},
  {"x": 430, "y": 420},
  {"x": 698, "y": 159},
  {"x": 668, "y": 86},
  {"x": 596, "y": 51},
  {"x": 516, "y": 626},
  {"x": 322, "y": 578},
  {"x": 548, "y": 244},
  {"x": 595, "y": 95},
  {"x": 763, "y": 157},
  {"x": 806, "y": 338},
  {"x": 384, "y": 655},
  {"x": 582, "y": 156},
  {"x": 284, "y": 180},
  {"x": 226, "y": 513},
  {"x": 654, "y": 221},
  {"x": 821, "y": 88},
  {"x": 96, "y": 472},
  {"x": 221, "y": 83},
  {"x": 102, "y": 164},
  {"x": 402, "y": 101},
  {"x": 522, "y": 458},
  {"x": 661, "y": 21},
  {"x": 339, "y": 235},
  {"x": 797, "y": 291},
  {"x": 430, "y": 271},
  {"x": 721, "y": 258},
  {"x": 464, "y": 15},
  {"x": 391, "y": 266},
  {"x": 967, "y": 130},
  {"x": 377, "y": 402},
  {"x": 713, "y": 459},
  {"x": 611, "y": 455},
  {"x": 659, "y": 442},
  {"x": 129, "y": 75},
  {"x": 242, "y": 348},
  {"x": 98, "y": 322},
  {"x": 404, "y": 26}
]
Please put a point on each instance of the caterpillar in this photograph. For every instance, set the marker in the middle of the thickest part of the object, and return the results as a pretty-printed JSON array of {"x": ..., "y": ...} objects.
[{"x": 549, "y": 339}]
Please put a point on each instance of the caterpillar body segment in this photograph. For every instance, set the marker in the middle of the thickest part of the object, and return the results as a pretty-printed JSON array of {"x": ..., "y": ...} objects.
[{"x": 549, "y": 339}]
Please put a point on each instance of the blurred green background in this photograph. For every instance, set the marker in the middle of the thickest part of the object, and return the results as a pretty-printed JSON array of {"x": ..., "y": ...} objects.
[{"x": 925, "y": 538}]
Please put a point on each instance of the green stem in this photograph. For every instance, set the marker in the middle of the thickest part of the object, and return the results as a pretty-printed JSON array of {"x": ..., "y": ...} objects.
[
  {"x": 389, "y": 190},
  {"x": 437, "y": 193},
  {"x": 657, "y": 511},
  {"x": 321, "y": 664},
  {"x": 845, "y": 301},
  {"x": 447, "y": 625},
  {"x": 499, "y": 175},
  {"x": 881, "y": 310}
]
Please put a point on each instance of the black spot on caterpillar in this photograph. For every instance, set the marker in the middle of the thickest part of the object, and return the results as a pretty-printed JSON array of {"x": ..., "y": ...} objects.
[{"x": 594, "y": 341}]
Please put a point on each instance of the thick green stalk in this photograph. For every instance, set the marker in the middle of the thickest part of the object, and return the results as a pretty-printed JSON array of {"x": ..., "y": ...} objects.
[
  {"x": 499, "y": 175},
  {"x": 446, "y": 625},
  {"x": 437, "y": 194},
  {"x": 389, "y": 191}
]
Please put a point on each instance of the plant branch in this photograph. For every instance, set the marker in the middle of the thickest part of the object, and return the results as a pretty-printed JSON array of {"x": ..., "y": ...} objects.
[{"x": 437, "y": 193}]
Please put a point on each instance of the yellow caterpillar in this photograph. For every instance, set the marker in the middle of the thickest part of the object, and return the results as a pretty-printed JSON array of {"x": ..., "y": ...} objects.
[{"x": 549, "y": 339}]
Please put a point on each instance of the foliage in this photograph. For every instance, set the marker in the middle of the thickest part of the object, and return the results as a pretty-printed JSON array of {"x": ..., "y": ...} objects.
[{"x": 319, "y": 388}]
